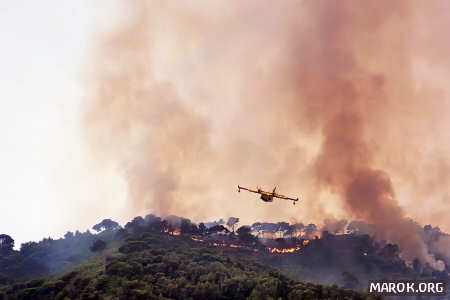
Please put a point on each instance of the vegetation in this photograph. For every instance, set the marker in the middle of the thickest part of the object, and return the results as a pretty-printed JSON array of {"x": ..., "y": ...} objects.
[
  {"x": 151, "y": 258},
  {"x": 152, "y": 265},
  {"x": 50, "y": 256}
]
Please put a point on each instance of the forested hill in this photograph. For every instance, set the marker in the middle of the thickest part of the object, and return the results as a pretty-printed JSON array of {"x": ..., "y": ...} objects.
[
  {"x": 158, "y": 265},
  {"x": 174, "y": 258}
]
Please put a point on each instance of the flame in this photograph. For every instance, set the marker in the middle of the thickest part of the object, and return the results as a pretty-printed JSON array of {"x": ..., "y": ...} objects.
[
  {"x": 175, "y": 232},
  {"x": 287, "y": 250},
  {"x": 271, "y": 250},
  {"x": 197, "y": 240}
]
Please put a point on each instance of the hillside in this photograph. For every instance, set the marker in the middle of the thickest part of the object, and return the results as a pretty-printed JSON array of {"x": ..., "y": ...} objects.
[
  {"x": 162, "y": 266},
  {"x": 177, "y": 259}
]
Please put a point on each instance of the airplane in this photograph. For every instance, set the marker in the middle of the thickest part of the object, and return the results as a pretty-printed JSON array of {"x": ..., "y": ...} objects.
[{"x": 268, "y": 196}]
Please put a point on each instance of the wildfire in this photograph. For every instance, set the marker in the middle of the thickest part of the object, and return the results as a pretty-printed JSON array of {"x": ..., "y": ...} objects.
[
  {"x": 271, "y": 250},
  {"x": 287, "y": 250},
  {"x": 175, "y": 232},
  {"x": 197, "y": 240}
]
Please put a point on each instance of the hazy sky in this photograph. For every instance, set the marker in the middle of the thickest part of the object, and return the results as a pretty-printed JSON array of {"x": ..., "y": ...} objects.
[
  {"x": 51, "y": 51},
  {"x": 44, "y": 46}
]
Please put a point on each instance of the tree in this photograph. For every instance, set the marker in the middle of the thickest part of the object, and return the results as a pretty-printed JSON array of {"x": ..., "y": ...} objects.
[
  {"x": 185, "y": 226},
  {"x": 217, "y": 228},
  {"x": 245, "y": 235},
  {"x": 99, "y": 245},
  {"x": 170, "y": 228},
  {"x": 258, "y": 227},
  {"x": 270, "y": 228},
  {"x": 290, "y": 231},
  {"x": 121, "y": 233},
  {"x": 106, "y": 224},
  {"x": 310, "y": 230},
  {"x": 68, "y": 235},
  {"x": 28, "y": 248},
  {"x": 6, "y": 242},
  {"x": 202, "y": 228},
  {"x": 135, "y": 225},
  {"x": 151, "y": 217},
  {"x": 390, "y": 250},
  {"x": 155, "y": 223},
  {"x": 298, "y": 228},
  {"x": 232, "y": 221},
  {"x": 282, "y": 227},
  {"x": 164, "y": 225}
]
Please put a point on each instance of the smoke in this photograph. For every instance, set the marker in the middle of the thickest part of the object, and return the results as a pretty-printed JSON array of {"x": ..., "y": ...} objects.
[
  {"x": 334, "y": 226},
  {"x": 327, "y": 99},
  {"x": 441, "y": 247},
  {"x": 349, "y": 98},
  {"x": 142, "y": 125}
]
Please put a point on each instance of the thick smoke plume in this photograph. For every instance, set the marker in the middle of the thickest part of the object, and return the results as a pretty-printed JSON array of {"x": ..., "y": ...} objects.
[
  {"x": 334, "y": 226},
  {"x": 325, "y": 98}
]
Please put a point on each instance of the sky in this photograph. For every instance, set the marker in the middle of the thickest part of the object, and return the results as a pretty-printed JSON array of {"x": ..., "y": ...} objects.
[
  {"x": 113, "y": 111},
  {"x": 47, "y": 186}
]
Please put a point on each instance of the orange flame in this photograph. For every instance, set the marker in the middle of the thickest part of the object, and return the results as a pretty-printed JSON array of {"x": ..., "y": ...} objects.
[
  {"x": 288, "y": 250},
  {"x": 197, "y": 240}
]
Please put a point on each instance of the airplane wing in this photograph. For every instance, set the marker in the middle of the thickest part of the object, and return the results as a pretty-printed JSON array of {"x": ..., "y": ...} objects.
[
  {"x": 284, "y": 197},
  {"x": 246, "y": 189}
]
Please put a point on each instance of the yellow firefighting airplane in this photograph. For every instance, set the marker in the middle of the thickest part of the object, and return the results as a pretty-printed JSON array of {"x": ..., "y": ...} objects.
[{"x": 268, "y": 196}]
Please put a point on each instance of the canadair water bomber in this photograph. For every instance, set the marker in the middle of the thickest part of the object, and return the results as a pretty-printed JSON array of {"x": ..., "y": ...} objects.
[{"x": 268, "y": 196}]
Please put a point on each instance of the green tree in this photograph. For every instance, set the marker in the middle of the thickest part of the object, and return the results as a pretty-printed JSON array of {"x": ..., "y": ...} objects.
[
  {"x": 106, "y": 224},
  {"x": 245, "y": 235},
  {"x": 98, "y": 246},
  {"x": 232, "y": 221},
  {"x": 6, "y": 242}
]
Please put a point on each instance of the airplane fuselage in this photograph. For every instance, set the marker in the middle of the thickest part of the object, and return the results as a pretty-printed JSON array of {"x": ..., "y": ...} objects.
[{"x": 266, "y": 198}]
